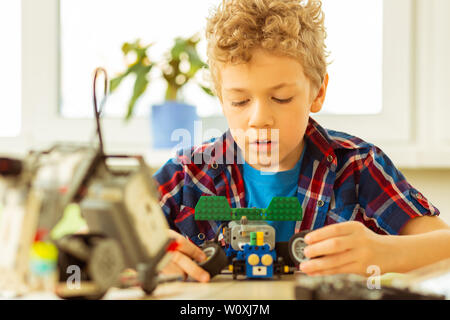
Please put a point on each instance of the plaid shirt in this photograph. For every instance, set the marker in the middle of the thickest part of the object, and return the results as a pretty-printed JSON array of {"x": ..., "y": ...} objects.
[{"x": 342, "y": 178}]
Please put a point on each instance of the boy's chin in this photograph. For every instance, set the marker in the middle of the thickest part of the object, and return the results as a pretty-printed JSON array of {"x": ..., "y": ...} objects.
[
  {"x": 263, "y": 151},
  {"x": 263, "y": 161}
]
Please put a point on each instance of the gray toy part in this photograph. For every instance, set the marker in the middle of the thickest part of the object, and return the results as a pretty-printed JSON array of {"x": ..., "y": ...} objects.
[
  {"x": 298, "y": 247},
  {"x": 238, "y": 239},
  {"x": 106, "y": 263}
]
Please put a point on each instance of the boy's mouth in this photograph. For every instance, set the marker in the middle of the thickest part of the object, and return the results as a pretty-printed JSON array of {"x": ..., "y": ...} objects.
[{"x": 262, "y": 144}]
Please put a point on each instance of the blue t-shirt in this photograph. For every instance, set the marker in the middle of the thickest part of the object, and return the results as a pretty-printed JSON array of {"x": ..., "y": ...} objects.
[{"x": 261, "y": 187}]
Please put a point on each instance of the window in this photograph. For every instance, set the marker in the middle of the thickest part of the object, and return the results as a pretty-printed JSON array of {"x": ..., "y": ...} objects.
[
  {"x": 355, "y": 41},
  {"x": 11, "y": 66},
  {"x": 394, "y": 57},
  {"x": 352, "y": 40},
  {"x": 98, "y": 41},
  {"x": 410, "y": 125}
]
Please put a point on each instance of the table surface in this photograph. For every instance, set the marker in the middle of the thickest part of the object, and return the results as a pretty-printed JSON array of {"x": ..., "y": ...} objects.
[
  {"x": 225, "y": 288},
  {"x": 221, "y": 287}
]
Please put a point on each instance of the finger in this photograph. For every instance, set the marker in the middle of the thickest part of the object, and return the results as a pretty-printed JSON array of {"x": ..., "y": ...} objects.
[
  {"x": 191, "y": 250},
  {"x": 173, "y": 234},
  {"x": 331, "y": 231},
  {"x": 173, "y": 268},
  {"x": 351, "y": 267},
  {"x": 329, "y": 246},
  {"x": 328, "y": 262},
  {"x": 190, "y": 267},
  {"x": 187, "y": 247}
]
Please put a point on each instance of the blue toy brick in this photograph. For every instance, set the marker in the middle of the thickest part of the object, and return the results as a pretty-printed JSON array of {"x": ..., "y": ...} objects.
[
  {"x": 260, "y": 251},
  {"x": 230, "y": 252}
]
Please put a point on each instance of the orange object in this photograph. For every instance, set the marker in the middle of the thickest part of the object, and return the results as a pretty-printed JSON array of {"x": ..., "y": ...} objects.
[{"x": 173, "y": 246}]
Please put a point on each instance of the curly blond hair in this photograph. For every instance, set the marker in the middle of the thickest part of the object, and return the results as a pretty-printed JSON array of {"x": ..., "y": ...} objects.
[{"x": 288, "y": 27}]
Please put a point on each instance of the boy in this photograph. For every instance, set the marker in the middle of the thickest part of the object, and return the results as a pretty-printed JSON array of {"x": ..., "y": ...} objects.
[{"x": 268, "y": 63}]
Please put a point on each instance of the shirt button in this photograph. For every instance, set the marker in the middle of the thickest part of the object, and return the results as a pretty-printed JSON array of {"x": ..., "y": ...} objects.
[
  {"x": 330, "y": 158},
  {"x": 201, "y": 236},
  {"x": 320, "y": 203}
]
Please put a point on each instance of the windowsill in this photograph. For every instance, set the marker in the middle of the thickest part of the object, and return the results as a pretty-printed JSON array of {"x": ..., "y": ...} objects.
[
  {"x": 402, "y": 156},
  {"x": 410, "y": 154}
]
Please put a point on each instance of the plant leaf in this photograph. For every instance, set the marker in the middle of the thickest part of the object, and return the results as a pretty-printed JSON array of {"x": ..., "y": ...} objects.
[
  {"x": 178, "y": 48},
  {"x": 140, "y": 86},
  {"x": 208, "y": 90},
  {"x": 115, "y": 82}
]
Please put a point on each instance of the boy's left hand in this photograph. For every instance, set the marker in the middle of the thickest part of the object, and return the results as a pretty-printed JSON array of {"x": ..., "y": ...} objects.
[{"x": 348, "y": 247}]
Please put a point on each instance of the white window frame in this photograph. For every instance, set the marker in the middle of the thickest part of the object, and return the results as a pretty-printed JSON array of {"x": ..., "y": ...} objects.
[
  {"x": 405, "y": 129},
  {"x": 397, "y": 55},
  {"x": 429, "y": 115},
  {"x": 433, "y": 101}
]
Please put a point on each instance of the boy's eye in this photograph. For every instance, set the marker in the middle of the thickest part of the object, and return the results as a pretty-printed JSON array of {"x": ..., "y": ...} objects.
[
  {"x": 282, "y": 100},
  {"x": 239, "y": 103}
]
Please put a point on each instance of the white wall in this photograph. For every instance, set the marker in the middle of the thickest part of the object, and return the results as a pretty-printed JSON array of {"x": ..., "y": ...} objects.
[{"x": 434, "y": 184}]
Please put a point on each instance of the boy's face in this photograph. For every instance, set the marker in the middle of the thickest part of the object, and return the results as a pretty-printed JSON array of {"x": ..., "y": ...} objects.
[{"x": 267, "y": 103}]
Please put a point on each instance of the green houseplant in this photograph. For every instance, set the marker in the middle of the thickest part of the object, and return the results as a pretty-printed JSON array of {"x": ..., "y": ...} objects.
[{"x": 178, "y": 67}]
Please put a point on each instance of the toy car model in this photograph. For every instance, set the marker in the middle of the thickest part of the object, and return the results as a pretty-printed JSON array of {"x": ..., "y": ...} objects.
[
  {"x": 249, "y": 242},
  {"x": 127, "y": 228}
]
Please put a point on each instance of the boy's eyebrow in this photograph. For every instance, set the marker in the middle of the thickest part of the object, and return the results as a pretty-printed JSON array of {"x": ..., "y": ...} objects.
[
  {"x": 283, "y": 84},
  {"x": 278, "y": 86},
  {"x": 235, "y": 89}
]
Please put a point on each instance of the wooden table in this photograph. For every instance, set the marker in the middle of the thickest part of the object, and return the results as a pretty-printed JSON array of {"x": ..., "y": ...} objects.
[{"x": 221, "y": 287}]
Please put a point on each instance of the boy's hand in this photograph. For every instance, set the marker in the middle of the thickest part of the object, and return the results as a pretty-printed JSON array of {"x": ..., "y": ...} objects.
[
  {"x": 182, "y": 259},
  {"x": 348, "y": 247}
]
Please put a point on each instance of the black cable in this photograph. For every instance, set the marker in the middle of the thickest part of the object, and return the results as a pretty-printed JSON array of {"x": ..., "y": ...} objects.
[
  {"x": 98, "y": 111},
  {"x": 222, "y": 225}
]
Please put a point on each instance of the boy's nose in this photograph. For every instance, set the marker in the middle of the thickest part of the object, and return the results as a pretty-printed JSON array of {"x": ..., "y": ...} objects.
[{"x": 261, "y": 116}]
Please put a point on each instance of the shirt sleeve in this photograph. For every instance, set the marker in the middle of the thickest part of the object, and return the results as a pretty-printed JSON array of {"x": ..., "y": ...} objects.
[
  {"x": 170, "y": 181},
  {"x": 387, "y": 198}
]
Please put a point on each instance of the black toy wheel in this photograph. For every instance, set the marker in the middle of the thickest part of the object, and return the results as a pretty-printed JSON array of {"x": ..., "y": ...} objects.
[
  {"x": 88, "y": 265},
  {"x": 67, "y": 288},
  {"x": 296, "y": 246},
  {"x": 216, "y": 259}
]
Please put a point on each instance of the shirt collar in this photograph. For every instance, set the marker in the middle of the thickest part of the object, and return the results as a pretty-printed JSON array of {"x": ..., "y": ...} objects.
[
  {"x": 320, "y": 145},
  {"x": 223, "y": 151}
]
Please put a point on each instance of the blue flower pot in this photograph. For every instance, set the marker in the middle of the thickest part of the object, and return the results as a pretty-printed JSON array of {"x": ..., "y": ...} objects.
[{"x": 168, "y": 117}]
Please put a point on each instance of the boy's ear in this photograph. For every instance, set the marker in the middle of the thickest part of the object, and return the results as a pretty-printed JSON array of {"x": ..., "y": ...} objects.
[{"x": 317, "y": 104}]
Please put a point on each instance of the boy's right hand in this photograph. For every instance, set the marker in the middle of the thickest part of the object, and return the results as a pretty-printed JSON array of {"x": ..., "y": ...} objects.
[{"x": 184, "y": 260}]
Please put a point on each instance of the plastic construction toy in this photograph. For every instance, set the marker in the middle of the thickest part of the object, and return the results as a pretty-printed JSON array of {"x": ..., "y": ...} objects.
[
  {"x": 353, "y": 287},
  {"x": 250, "y": 248},
  {"x": 127, "y": 227}
]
